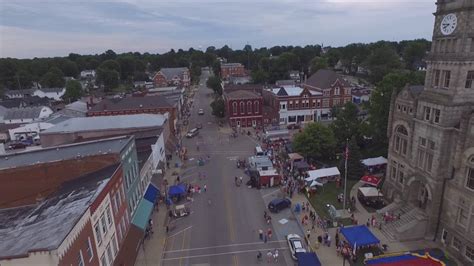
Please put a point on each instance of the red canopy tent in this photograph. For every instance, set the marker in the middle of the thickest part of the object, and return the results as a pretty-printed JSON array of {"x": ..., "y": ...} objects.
[{"x": 371, "y": 180}]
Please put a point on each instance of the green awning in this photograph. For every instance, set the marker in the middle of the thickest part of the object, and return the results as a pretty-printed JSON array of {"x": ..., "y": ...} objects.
[{"x": 142, "y": 214}]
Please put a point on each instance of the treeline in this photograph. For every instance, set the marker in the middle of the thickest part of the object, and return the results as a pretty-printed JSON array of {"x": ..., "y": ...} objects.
[{"x": 266, "y": 64}]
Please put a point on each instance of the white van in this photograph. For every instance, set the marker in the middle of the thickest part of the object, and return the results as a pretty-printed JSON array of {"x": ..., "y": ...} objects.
[
  {"x": 193, "y": 132},
  {"x": 259, "y": 151}
]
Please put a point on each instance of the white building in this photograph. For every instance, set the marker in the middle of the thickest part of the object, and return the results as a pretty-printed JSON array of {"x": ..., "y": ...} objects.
[
  {"x": 86, "y": 74},
  {"x": 29, "y": 130},
  {"x": 27, "y": 115},
  {"x": 51, "y": 93}
]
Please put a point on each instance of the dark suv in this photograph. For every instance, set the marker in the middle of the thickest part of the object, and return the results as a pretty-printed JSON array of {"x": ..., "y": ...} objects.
[{"x": 277, "y": 205}]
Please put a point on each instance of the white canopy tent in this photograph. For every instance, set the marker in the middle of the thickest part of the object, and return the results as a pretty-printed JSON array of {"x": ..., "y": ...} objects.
[
  {"x": 370, "y": 192},
  {"x": 374, "y": 161},
  {"x": 316, "y": 183},
  {"x": 325, "y": 172}
]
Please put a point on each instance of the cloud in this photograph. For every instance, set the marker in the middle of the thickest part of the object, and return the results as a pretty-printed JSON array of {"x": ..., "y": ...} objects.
[{"x": 59, "y": 24}]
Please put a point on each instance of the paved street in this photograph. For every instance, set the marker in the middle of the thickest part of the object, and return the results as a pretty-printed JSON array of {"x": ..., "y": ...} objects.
[{"x": 224, "y": 232}]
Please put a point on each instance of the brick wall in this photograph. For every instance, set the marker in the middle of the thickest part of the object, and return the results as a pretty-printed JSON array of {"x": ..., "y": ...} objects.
[{"x": 71, "y": 257}]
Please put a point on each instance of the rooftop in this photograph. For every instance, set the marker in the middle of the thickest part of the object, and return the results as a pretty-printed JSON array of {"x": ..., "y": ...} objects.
[
  {"x": 231, "y": 65},
  {"x": 49, "y": 90},
  {"x": 23, "y": 113},
  {"x": 242, "y": 94},
  {"x": 45, "y": 226},
  {"x": 131, "y": 103},
  {"x": 292, "y": 91},
  {"x": 324, "y": 78},
  {"x": 94, "y": 123},
  {"x": 170, "y": 72},
  {"x": 64, "y": 152}
]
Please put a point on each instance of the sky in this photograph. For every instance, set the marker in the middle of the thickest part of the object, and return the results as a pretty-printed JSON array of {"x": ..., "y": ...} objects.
[{"x": 46, "y": 28}]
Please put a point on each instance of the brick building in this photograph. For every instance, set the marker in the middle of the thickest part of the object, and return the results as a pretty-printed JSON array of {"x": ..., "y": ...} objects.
[
  {"x": 244, "y": 108},
  {"x": 232, "y": 70},
  {"x": 137, "y": 105},
  {"x": 175, "y": 76}
]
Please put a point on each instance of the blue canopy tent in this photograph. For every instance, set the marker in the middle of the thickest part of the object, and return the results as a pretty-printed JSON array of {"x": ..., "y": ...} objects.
[
  {"x": 308, "y": 259},
  {"x": 359, "y": 236},
  {"x": 176, "y": 190}
]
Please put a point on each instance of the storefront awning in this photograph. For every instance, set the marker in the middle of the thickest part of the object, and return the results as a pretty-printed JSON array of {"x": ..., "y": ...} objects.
[
  {"x": 151, "y": 192},
  {"x": 142, "y": 214}
]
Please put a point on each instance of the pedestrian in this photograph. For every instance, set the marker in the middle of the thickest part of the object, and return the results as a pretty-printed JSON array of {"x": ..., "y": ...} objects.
[
  {"x": 199, "y": 189},
  {"x": 336, "y": 238},
  {"x": 308, "y": 234},
  {"x": 269, "y": 232},
  {"x": 205, "y": 187},
  {"x": 275, "y": 255},
  {"x": 329, "y": 240},
  {"x": 269, "y": 256},
  {"x": 265, "y": 238},
  {"x": 260, "y": 234},
  {"x": 303, "y": 207},
  {"x": 368, "y": 222},
  {"x": 307, "y": 206}
]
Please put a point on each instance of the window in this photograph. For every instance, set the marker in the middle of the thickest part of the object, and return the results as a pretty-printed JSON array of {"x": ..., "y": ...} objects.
[
  {"x": 242, "y": 108},
  {"x": 256, "y": 107},
  {"x": 437, "y": 114},
  {"x": 104, "y": 225},
  {"x": 114, "y": 244},
  {"x": 325, "y": 103},
  {"x": 469, "y": 252},
  {"x": 97, "y": 232},
  {"x": 115, "y": 200},
  {"x": 319, "y": 103},
  {"x": 427, "y": 113},
  {"x": 336, "y": 91},
  {"x": 336, "y": 102},
  {"x": 393, "y": 170},
  {"x": 89, "y": 250},
  {"x": 462, "y": 213},
  {"x": 314, "y": 104},
  {"x": 401, "y": 173},
  {"x": 470, "y": 178},
  {"x": 447, "y": 78},
  {"x": 109, "y": 217},
  {"x": 437, "y": 75},
  {"x": 401, "y": 140},
  {"x": 109, "y": 254},
  {"x": 119, "y": 228},
  {"x": 425, "y": 154},
  {"x": 80, "y": 259},
  {"x": 234, "y": 108},
  {"x": 456, "y": 243},
  {"x": 103, "y": 260},
  {"x": 469, "y": 78},
  {"x": 249, "y": 107},
  {"x": 290, "y": 105},
  {"x": 296, "y": 104},
  {"x": 122, "y": 224}
]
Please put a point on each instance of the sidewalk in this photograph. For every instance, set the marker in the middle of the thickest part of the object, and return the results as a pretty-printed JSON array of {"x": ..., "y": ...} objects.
[
  {"x": 328, "y": 255},
  {"x": 152, "y": 250}
]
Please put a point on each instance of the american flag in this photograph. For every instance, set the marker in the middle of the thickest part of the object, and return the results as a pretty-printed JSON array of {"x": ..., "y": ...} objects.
[{"x": 346, "y": 152}]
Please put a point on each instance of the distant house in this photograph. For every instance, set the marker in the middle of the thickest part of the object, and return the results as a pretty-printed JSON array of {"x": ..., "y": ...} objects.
[
  {"x": 29, "y": 101},
  {"x": 420, "y": 65},
  {"x": 75, "y": 109},
  {"x": 27, "y": 115},
  {"x": 172, "y": 77},
  {"x": 17, "y": 94},
  {"x": 232, "y": 70},
  {"x": 295, "y": 75},
  {"x": 360, "y": 95},
  {"x": 285, "y": 83},
  {"x": 335, "y": 89},
  {"x": 51, "y": 93},
  {"x": 88, "y": 74}
]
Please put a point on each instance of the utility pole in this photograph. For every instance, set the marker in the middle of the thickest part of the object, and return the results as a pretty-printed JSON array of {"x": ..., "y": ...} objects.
[{"x": 346, "y": 154}]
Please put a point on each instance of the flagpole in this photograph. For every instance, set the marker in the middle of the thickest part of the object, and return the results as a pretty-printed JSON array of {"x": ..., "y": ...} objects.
[{"x": 346, "y": 153}]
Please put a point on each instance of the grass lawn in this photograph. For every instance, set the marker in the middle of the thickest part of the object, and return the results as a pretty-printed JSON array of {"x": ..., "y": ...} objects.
[{"x": 328, "y": 195}]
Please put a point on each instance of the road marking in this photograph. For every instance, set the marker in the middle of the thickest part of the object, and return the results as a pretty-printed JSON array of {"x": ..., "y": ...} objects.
[
  {"x": 182, "y": 245},
  {"x": 177, "y": 233},
  {"x": 224, "y": 246},
  {"x": 220, "y": 254},
  {"x": 235, "y": 260},
  {"x": 232, "y": 158},
  {"x": 270, "y": 193},
  {"x": 254, "y": 141}
]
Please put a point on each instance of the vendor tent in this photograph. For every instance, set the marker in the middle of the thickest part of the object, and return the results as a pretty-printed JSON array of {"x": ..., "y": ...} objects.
[
  {"x": 295, "y": 157},
  {"x": 370, "y": 192},
  {"x": 371, "y": 180},
  {"x": 176, "y": 190},
  {"x": 359, "y": 236},
  {"x": 301, "y": 166},
  {"x": 308, "y": 259},
  {"x": 374, "y": 161},
  {"x": 315, "y": 183},
  {"x": 404, "y": 259},
  {"x": 325, "y": 172}
]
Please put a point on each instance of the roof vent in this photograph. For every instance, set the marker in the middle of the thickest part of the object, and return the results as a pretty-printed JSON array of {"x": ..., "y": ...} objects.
[{"x": 141, "y": 105}]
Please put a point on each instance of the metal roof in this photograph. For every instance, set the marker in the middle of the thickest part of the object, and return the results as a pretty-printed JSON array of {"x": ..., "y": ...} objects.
[
  {"x": 23, "y": 113},
  {"x": 324, "y": 78},
  {"x": 170, "y": 72},
  {"x": 94, "y": 123},
  {"x": 65, "y": 152},
  {"x": 131, "y": 103}
]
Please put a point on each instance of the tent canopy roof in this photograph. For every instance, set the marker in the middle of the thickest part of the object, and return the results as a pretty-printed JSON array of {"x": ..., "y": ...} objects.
[
  {"x": 308, "y": 259},
  {"x": 295, "y": 156},
  {"x": 325, "y": 172},
  {"x": 370, "y": 192},
  {"x": 371, "y": 180},
  {"x": 176, "y": 190},
  {"x": 374, "y": 161},
  {"x": 359, "y": 236}
]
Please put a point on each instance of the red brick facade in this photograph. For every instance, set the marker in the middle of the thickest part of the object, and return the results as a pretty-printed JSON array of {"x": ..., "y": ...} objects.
[
  {"x": 80, "y": 247},
  {"x": 232, "y": 70},
  {"x": 244, "y": 109},
  {"x": 182, "y": 79}
]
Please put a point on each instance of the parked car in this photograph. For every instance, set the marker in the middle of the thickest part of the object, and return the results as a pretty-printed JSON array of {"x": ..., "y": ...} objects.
[
  {"x": 17, "y": 145},
  {"x": 200, "y": 112},
  {"x": 193, "y": 132},
  {"x": 294, "y": 126},
  {"x": 277, "y": 205},
  {"x": 296, "y": 245}
]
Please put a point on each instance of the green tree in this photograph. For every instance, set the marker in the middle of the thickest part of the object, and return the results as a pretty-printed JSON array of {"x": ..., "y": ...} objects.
[
  {"x": 316, "y": 142},
  {"x": 126, "y": 66},
  {"x": 218, "y": 107},
  {"x": 347, "y": 124},
  {"x": 414, "y": 51},
  {"x": 110, "y": 65},
  {"x": 69, "y": 68},
  {"x": 317, "y": 63},
  {"x": 379, "y": 104},
  {"x": 23, "y": 79},
  {"x": 382, "y": 61},
  {"x": 259, "y": 76},
  {"x": 355, "y": 169},
  {"x": 215, "y": 84},
  {"x": 73, "y": 91},
  {"x": 108, "y": 78},
  {"x": 53, "y": 79}
]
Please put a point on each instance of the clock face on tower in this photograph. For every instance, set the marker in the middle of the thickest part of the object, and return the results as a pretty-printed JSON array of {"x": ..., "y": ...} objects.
[{"x": 448, "y": 24}]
